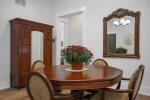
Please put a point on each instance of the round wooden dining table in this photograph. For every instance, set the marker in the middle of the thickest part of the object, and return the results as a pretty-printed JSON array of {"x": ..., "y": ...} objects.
[{"x": 92, "y": 78}]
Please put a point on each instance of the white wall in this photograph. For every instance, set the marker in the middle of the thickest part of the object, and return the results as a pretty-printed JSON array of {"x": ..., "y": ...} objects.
[
  {"x": 75, "y": 29},
  {"x": 93, "y": 37},
  {"x": 72, "y": 29},
  {"x": 36, "y": 10}
]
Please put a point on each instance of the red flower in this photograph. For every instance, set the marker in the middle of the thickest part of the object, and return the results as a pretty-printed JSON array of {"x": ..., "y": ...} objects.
[{"x": 75, "y": 53}]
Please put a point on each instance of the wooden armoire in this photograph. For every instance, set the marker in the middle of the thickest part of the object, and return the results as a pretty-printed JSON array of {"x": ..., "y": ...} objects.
[{"x": 21, "y": 30}]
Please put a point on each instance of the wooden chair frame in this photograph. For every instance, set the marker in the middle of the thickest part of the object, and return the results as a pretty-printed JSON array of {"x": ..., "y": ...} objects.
[
  {"x": 33, "y": 65},
  {"x": 73, "y": 96},
  {"x": 129, "y": 91},
  {"x": 101, "y": 60}
]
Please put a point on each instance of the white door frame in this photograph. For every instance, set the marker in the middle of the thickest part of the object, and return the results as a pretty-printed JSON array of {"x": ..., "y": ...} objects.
[{"x": 58, "y": 21}]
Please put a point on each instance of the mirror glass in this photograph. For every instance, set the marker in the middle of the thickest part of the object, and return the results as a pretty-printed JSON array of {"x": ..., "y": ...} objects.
[
  {"x": 36, "y": 46},
  {"x": 121, "y": 34}
]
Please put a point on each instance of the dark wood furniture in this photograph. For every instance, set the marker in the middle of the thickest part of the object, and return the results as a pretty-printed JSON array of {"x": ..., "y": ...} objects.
[
  {"x": 40, "y": 88},
  {"x": 94, "y": 78},
  {"x": 135, "y": 27},
  {"x": 21, "y": 30},
  {"x": 124, "y": 94}
]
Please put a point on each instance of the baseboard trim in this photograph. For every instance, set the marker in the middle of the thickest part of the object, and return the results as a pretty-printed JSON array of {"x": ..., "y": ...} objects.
[
  {"x": 4, "y": 85},
  {"x": 145, "y": 90}
]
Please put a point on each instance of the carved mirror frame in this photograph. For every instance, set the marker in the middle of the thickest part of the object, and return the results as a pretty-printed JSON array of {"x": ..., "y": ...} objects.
[{"x": 119, "y": 14}]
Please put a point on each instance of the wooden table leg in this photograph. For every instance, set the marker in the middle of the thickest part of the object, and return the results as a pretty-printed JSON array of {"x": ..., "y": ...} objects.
[{"x": 102, "y": 95}]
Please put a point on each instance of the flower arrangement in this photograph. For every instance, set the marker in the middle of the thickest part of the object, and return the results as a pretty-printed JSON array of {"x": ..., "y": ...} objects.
[{"x": 78, "y": 54}]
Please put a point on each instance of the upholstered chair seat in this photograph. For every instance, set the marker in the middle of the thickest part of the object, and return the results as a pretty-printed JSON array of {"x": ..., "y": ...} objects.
[
  {"x": 38, "y": 66},
  {"x": 123, "y": 94},
  {"x": 40, "y": 88},
  {"x": 100, "y": 62}
]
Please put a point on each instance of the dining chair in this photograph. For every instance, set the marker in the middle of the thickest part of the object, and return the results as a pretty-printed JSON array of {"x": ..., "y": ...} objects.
[
  {"x": 38, "y": 66},
  {"x": 40, "y": 88},
  {"x": 123, "y": 94},
  {"x": 100, "y": 62},
  {"x": 97, "y": 63}
]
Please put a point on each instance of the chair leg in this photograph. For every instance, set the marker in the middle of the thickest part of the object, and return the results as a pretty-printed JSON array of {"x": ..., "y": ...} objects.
[
  {"x": 81, "y": 96},
  {"x": 102, "y": 95},
  {"x": 118, "y": 86}
]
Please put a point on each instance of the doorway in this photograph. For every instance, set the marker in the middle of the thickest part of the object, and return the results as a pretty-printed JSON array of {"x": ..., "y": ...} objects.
[
  {"x": 71, "y": 29},
  {"x": 69, "y": 32},
  {"x": 111, "y": 43}
]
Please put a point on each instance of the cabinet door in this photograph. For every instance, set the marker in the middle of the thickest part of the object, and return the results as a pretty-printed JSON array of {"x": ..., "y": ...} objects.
[
  {"x": 48, "y": 47},
  {"x": 24, "y": 51}
]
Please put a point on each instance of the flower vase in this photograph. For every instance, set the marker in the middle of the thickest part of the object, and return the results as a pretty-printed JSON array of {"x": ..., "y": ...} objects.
[{"x": 76, "y": 66}]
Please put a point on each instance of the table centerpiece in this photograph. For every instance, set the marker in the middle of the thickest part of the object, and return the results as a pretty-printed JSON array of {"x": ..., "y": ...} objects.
[{"x": 77, "y": 56}]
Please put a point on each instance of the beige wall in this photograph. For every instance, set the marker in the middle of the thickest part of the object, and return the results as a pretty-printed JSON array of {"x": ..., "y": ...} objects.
[{"x": 75, "y": 29}]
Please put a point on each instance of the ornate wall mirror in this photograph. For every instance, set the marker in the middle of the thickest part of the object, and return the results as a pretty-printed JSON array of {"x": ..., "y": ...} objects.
[{"x": 121, "y": 34}]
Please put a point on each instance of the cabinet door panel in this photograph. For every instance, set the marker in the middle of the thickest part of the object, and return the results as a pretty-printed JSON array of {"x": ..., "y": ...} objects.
[{"x": 24, "y": 58}]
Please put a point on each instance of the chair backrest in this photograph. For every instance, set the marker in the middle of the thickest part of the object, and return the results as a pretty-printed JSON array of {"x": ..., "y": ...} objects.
[
  {"x": 136, "y": 80},
  {"x": 38, "y": 66},
  {"x": 100, "y": 62},
  {"x": 39, "y": 87}
]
